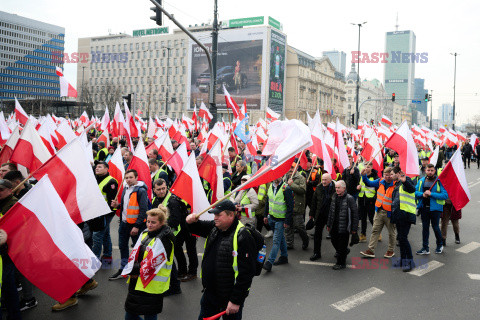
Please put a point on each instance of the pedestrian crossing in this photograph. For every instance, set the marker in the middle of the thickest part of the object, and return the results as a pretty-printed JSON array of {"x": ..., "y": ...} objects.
[
  {"x": 469, "y": 247},
  {"x": 474, "y": 276},
  {"x": 322, "y": 264},
  {"x": 426, "y": 268},
  {"x": 357, "y": 299}
]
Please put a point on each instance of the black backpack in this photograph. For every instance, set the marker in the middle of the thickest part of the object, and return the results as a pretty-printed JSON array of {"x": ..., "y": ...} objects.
[{"x": 259, "y": 243}]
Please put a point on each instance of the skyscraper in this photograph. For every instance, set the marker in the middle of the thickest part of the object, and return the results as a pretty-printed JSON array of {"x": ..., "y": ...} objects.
[
  {"x": 445, "y": 114},
  {"x": 338, "y": 59},
  {"x": 400, "y": 68},
  {"x": 419, "y": 94}
]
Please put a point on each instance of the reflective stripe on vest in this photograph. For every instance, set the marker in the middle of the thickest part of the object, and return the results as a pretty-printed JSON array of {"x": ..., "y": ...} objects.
[
  {"x": 368, "y": 191},
  {"x": 407, "y": 201},
  {"x": 390, "y": 159},
  {"x": 105, "y": 150},
  {"x": 161, "y": 282},
  {"x": 384, "y": 199},
  {"x": 262, "y": 190},
  {"x": 102, "y": 185},
  {"x": 155, "y": 177},
  {"x": 276, "y": 203},
  {"x": 230, "y": 186},
  {"x": 440, "y": 202},
  {"x": 133, "y": 209},
  {"x": 245, "y": 200}
]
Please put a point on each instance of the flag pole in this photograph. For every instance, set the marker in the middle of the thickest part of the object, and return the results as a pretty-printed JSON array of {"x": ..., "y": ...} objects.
[
  {"x": 296, "y": 165},
  {"x": 21, "y": 183}
]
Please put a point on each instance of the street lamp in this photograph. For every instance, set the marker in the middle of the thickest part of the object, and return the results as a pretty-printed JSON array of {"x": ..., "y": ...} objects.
[
  {"x": 454, "y": 81},
  {"x": 358, "y": 72},
  {"x": 168, "y": 70}
]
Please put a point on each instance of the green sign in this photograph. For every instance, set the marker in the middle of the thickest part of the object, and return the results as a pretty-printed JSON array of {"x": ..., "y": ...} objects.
[
  {"x": 149, "y": 32},
  {"x": 252, "y": 21},
  {"x": 275, "y": 23}
]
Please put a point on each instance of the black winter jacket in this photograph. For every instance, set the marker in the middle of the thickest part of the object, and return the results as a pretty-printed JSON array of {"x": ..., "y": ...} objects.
[
  {"x": 321, "y": 202},
  {"x": 176, "y": 209},
  {"x": 352, "y": 180},
  {"x": 218, "y": 277},
  {"x": 139, "y": 302},
  {"x": 348, "y": 214},
  {"x": 397, "y": 214}
]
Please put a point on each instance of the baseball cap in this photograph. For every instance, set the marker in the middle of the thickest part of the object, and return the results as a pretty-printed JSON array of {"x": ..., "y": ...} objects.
[
  {"x": 246, "y": 177},
  {"x": 222, "y": 206},
  {"x": 5, "y": 184}
]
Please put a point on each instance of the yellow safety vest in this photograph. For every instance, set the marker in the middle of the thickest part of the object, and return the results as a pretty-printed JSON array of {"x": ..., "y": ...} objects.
[
  {"x": 369, "y": 192},
  {"x": 440, "y": 202},
  {"x": 161, "y": 282},
  {"x": 98, "y": 153},
  {"x": 155, "y": 177},
  {"x": 102, "y": 185},
  {"x": 165, "y": 203},
  {"x": 245, "y": 200},
  {"x": 262, "y": 190},
  {"x": 390, "y": 159},
  {"x": 276, "y": 203},
  {"x": 407, "y": 201}
]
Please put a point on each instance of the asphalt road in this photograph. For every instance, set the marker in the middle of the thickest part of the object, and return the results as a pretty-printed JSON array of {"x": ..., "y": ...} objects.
[{"x": 446, "y": 288}]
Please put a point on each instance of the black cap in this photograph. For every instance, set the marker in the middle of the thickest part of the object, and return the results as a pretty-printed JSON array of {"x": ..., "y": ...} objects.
[
  {"x": 222, "y": 206},
  {"x": 224, "y": 166},
  {"x": 5, "y": 184},
  {"x": 425, "y": 158}
]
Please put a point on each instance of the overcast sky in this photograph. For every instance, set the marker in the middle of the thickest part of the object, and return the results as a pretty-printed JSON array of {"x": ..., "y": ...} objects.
[{"x": 312, "y": 26}]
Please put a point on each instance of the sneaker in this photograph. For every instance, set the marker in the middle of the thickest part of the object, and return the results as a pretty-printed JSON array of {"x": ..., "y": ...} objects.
[
  {"x": 423, "y": 251},
  {"x": 267, "y": 266},
  {"x": 329, "y": 236},
  {"x": 106, "y": 260},
  {"x": 380, "y": 238},
  {"x": 368, "y": 253},
  {"x": 19, "y": 288},
  {"x": 439, "y": 250},
  {"x": 362, "y": 238},
  {"x": 87, "y": 287},
  {"x": 188, "y": 277},
  {"x": 315, "y": 257},
  {"x": 170, "y": 292},
  {"x": 28, "y": 304},
  {"x": 389, "y": 254},
  {"x": 339, "y": 267},
  {"x": 67, "y": 304},
  {"x": 457, "y": 239},
  {"x": 281, "y": 260},
  {"x": 269, "y": 234},
  {"x": 117, "y": 275}
]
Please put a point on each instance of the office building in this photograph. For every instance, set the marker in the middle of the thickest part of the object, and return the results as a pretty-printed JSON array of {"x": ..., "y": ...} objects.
[{"x": 338, "y": 60}]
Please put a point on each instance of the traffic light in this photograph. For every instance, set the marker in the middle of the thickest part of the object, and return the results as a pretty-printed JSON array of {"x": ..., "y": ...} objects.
[
  {"x": 426, "y": 97},
  {"x": 353, "y": 118},
  {"x": 429, "y": 97},
  {"x": 128, "y": 97},
  {"x": 158, "y": 14},
  {"x": 393, "y": 96}
]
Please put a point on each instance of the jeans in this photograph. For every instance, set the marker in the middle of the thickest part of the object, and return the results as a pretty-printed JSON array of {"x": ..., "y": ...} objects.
[
  {"x": 123, "y": 240},
  {"x": 279, "y": 241},
  {"x": 9, "y": 291},
  {"x": 403, "y": 228},
  {"x": 433, "y": 218},
  {"x": 131, "y": 316},
  {"x": 102, "y": 239},
  {"x": 207, "y": 309}
]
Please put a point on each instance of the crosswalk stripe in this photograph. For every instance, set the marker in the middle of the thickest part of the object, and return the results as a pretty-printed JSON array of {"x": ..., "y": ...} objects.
[
  {"x": 115, "y": 248},
  {"x": 469, "y": 247},
  {"x": 474, "y": 276},
  {"x": 426, "y": 268},
  {"x": 323, "y": 264},
  {"x": 357, "y": 299}
]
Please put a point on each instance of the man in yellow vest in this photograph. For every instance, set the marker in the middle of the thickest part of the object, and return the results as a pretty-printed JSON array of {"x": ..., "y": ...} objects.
[
  {"x": 246, "y": 202},
  {"x": 228, "y": 263},
  {"x": 133, "y": 213},
  {"x": 366, "y": 200},
  {"x": 102, "y": 153},
  {"x": 155, "y": 171},
  {"x": 403, "y": 216}
]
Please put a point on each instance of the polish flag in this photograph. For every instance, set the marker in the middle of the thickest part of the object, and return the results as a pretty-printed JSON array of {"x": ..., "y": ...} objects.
[
  {"x": 105, "y": 137},
  {"x": 402, "y": 142},
  {"x": 20, "y": 114},
  {"x": 272, "y": 115},
  {"x": 46, "y": 136},
  {"x": 163, "y": 146},
  {"x": 172, "y": 130},
  {"x": 71, "y": 175},
  {"x": 152, "y": 127},
  {"x": 204, "y": 113},
  {"x": 373, "y": 148},
  {"x": 319, "y": 147},
  {"x": 434, "y": 156},
  {"x": 105, "y": 120},
  {"x": 45, "y": 244},
  {"x": 188, "y": 187},
  {"x": 140, "y": 163},
  {"x": 451, "y": 139},
  {"x": 231, "y": 103},
  {"x": 341, "y": 152},
  {"x": 66, "y": 89},
  {"x": 30, "y": 150},
  {"x": 7, "y": 149},
  {"x": 386, "y": 120},
  {"x": 130, "y": 121},
  {"x": 211, "y": 170},
  {"x": 454, "y": 181},
  {"x": 473, "y": 140},
  {"x": 287, "y": 138},
  {"x": 117, "y": 170},
  {"x": 178, "y": 159},
  {"x": 194, "y": 117},
  {"x": 65, "y": 135},
  {"x": 84, "y": 117},
  {"x": 59, "y": 71},
  {"x": 5, "y": 131}
]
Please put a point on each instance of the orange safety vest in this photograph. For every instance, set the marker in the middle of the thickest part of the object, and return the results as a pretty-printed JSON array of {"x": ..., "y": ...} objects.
[
  {"x": 314, "y": 175},
  {"x": 133, "y": 209},
  {"x": 384, "y": 198}
]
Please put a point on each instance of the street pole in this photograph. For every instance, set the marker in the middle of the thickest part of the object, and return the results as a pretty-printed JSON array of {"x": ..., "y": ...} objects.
[
  {"x": 454, "y": 82},
  {"x": 357, "y": 113},
  {"x": 213, "y": 82},
  {"x": 431, "y": 111},
  {"x": 168, "y": 71}
]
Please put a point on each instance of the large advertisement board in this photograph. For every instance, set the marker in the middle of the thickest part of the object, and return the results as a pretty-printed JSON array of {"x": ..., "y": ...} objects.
[
  {"x": 277, "y": 71},
  {"x": 241, "y": 68}
]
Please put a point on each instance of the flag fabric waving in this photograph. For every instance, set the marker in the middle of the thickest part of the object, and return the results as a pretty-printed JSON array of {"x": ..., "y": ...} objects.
[{"x": 454, "y": 181}]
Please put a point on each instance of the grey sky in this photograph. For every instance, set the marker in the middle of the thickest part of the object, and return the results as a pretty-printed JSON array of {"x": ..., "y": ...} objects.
[{"x": 311, "y": 26}]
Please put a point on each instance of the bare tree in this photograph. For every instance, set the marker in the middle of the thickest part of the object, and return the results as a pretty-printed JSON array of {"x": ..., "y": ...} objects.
[
  {"x": 109, "y": 94},
  {"x": 86, "y": 98}
]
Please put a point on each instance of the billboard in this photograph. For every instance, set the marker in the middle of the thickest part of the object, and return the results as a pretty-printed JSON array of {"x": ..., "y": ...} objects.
[
  {"x": 241, "y": 68},
  {"x": 277, "y": 71}
]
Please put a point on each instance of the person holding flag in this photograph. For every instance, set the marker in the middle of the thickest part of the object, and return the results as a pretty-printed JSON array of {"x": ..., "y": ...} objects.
[{"x": 246, "y": 201}]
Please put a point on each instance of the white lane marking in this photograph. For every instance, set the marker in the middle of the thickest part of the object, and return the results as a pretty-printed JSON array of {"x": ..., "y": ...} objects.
[
  {"x": 474, "y": 276},
  {"x": 323, "y": 264},
  {"x": 115, "y": 248},
  {"x": 426, "y": 268},
  {"x": 474, "y": 184},
  {"x": 357, "y": 299},
  {"x": 469, "y": 247}
]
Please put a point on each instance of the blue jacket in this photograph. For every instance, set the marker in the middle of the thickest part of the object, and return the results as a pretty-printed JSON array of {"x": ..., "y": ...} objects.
[
  {"x": 442, "y": 195},
  {"x": 376, "y": 184}
]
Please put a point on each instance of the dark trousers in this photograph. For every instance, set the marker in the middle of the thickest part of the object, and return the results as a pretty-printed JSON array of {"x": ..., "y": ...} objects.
[
  {"x": 478, "y": 162},
  {"x": 366, "y": 208},
  {"x": 317, "y": 237},
  {"x": 191, "y": 243},
  {"x": 403, "y": 228},
  {"x": 465, "y": 160},
  {"x": 340, "y": 243},
  {"x": 208, "y": 309},
  {"x": 174, "y": 282},
  {"x": 261, "y": 224},
  {"x": 433, "y": 218},
  {"x": 9, "y": 291},
  {"x": 123, "y": 241}
]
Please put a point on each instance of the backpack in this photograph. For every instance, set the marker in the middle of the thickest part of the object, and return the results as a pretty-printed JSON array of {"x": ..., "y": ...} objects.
[{"x": 259, "y": 243}]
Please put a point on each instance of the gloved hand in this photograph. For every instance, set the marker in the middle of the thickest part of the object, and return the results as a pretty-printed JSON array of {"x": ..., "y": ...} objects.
[{"x": 3, "y": 237}]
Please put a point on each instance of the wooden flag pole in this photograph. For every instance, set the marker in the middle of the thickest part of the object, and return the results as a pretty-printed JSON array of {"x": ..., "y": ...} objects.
[{"x": 21, "y": 183}]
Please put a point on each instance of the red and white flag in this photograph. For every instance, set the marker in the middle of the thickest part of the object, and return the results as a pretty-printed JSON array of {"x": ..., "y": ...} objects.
[
  {"x": 105, "y": 121},
  {"x": 130, "y": 121},
  {"x": 204, "y": 113},
  {"x": 66, "y": 89},
  {"x": 65, "y": 135},
  {"x": 211, "y": 170},
  {"x": 373, "y": 149},
  {"x": 59, "y": 71},
  {"x": 20, "y": 114},
  {"x": 116, "y": 169},
  {"x": 71, "y": 174},
  {"x": 272, "y": 115},
  {"x": 434, "y": 156},
  {"x": 386, "y": 120},
  {"x": 340, "y": 151},
  {"x": 454, "y": 181},
  {"x": 402, "y": 142},
  {"x": 7, "y": 149},
  {"x": 178, "y": 159},
  {"x": 45, "y": 244},
  {"x": 105, "y": 137},
  {"x": 140, "y": 163},
  {"x": 4, "y": 130},
  {"x": 231, "y": 103},
  {"x": 30, "y": 150},
  {"x": 319, "y": 146},
  {"x": 188, "y": 187}
]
